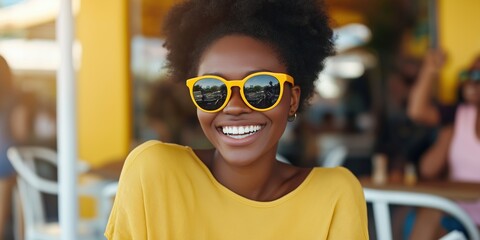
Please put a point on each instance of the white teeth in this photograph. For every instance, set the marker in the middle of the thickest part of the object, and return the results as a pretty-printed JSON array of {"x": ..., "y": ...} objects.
[{"x": 240, "y": 131}]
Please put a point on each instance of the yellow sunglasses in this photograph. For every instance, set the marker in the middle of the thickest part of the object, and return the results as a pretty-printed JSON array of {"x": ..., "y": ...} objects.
[{"x": 260, "y": 91}]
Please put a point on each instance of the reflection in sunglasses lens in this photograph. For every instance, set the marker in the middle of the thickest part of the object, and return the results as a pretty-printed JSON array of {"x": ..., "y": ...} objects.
[
  {"x": 209, "y": 93},
  {"x": 475, "y": 75},
  {"x": 262, "y": 91}
]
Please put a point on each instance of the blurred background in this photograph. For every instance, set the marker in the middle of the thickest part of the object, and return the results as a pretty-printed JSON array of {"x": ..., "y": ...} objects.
[{"x": 124, "y": 96}]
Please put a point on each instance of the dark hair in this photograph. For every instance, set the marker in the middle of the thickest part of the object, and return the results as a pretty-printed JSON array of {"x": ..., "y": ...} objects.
[
  {"x": 298, "y": 30},
  {"x": 465, "y": 75}
]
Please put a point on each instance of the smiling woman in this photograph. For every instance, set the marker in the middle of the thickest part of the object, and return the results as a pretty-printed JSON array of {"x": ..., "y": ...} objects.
[{"x": 250, "y": 67}]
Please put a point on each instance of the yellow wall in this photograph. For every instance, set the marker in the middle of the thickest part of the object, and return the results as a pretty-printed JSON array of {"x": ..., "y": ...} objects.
[
  {"x": 460, "y": 37},
  {"x": 152, "y": 14},
  {"x": 343, "y": 16},
  {"x": 104, "y": 108}
]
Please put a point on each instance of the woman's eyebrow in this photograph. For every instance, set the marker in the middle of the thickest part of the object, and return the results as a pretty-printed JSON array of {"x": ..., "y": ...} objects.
[
  {"x": 257, "y": 70},
  {"x": 246, "y": 74},
  {"x": 214, "y": 74}
]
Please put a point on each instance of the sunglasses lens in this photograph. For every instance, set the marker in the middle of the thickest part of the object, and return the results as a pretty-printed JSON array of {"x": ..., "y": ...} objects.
[
  {"x": 262, "y": 91},
  {"x": 475, "y": 75},
  {"x": 209, "y": 93}
]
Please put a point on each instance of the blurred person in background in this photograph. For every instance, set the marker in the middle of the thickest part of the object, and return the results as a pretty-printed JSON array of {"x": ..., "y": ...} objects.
[
  {"x": 455, "y": 154},
  {"x": 24, "y": 120},
  {"x": 172, "y": 116},
  {"x": 13, "y": 129},
  {"x": 403, "y": 141}
]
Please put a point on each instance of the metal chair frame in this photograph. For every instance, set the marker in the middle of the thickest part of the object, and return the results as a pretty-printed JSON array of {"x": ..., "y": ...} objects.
[{"x": 381, "y": 199}]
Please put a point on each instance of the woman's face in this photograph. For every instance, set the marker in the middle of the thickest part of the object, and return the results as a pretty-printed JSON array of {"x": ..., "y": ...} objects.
[
  {"x": 471, "y": 92},
  {"x": 471, "y": 88},
  {"x": 234, "y": 57}
]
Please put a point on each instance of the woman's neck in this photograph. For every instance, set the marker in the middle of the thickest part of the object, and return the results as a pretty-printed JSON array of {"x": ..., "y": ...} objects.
[
  {"x": 262, "y": 181},
  {"x": 253, "y": 181}
]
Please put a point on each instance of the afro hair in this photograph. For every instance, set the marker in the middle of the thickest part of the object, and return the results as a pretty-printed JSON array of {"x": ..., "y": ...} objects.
[{"x": 298, "y": 30}]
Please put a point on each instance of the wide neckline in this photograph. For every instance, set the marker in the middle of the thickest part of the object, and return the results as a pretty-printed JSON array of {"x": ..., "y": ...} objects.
[{"x": 248, "y": 201}]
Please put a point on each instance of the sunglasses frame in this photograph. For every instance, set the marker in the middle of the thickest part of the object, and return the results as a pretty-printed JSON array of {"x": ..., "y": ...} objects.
[
  {"x": 281, "y": 77},
  {"x": 470, "y": 75}
]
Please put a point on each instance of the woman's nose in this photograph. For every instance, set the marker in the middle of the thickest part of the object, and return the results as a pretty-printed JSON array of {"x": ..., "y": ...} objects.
[{"x": 235, "y": 104}]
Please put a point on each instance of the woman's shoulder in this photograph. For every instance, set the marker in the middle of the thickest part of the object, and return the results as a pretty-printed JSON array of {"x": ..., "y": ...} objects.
[
  {"x": 155, "y": 153},
  {"x": 345, "y": 199},
  {"x": 152, "y": 146},
  {"x": 336, "y": 174},
  {"x": 450, "y": 113},
  {"x": 466, "y": 108},
  {"x": 338, "y": 178}
]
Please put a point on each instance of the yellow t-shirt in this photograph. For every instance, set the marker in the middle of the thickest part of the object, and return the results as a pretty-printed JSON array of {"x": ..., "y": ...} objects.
[{"x": 166, "y": 192}]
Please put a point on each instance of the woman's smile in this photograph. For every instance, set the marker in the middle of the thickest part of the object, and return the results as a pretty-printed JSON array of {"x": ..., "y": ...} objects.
[
  {"x": 239, "y": 132},
  {"x": 240, "y": 136}
]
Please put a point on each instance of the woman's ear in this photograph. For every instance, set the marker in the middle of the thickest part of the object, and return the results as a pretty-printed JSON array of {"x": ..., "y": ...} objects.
[{"x": 294, "y": 99}]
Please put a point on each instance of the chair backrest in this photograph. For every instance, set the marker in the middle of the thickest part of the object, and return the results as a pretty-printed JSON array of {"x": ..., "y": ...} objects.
[
  {"x": 283, "y": 159},
  {"x": 108, "y": 194},
  {"x": 335, "y": 157},
  {"x": 381, "y": 199},
  {"x": 30, "y": 184}
]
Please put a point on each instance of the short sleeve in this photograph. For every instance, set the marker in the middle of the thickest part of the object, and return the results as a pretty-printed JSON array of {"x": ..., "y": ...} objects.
[
  {"x": 350, "y": 213},
  {"x": 128, "y": 219}
]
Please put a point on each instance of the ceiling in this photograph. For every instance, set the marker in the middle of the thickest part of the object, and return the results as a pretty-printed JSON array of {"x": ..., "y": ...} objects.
[{"x": 36, "y": 18}]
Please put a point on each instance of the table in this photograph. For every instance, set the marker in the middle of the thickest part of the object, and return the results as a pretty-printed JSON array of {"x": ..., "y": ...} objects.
[
  {"x": 457, "y": 191},
  {"x": 109, "y": 171}
]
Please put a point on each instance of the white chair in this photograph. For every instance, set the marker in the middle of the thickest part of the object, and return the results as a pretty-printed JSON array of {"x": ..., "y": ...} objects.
[
  {"x": 283, "y": 159},
  {"x": 31, "y": 186},
  {"x": 381, "y": 199},
  {"x": 454, "y": 235},
  {"x": 108, "y": 194},
  {"x": 334, "y": 157}
]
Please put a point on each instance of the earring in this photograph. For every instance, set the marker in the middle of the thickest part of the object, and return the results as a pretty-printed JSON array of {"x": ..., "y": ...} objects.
[{"x": 292, "y": 118}]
